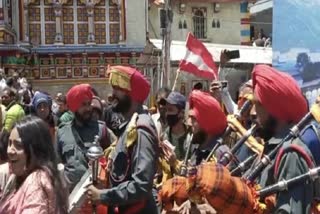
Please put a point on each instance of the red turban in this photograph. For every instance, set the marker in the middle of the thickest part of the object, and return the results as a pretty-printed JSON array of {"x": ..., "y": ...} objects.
[
  {"x": 208, "y": 113},
  {"x": 77, "y": 95},
  {"x": 279, "y": 94},
  {"x": 130, "y": 80}
]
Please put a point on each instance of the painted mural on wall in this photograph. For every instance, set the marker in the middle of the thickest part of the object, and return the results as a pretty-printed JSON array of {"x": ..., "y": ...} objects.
[{"x": 296, "y": 42}]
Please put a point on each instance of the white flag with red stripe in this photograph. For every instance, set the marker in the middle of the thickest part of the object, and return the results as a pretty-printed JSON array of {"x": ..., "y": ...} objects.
[{"x": 198, "y": 60}]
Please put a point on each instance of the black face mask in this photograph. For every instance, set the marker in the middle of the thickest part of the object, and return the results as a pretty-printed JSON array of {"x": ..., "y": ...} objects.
[
  {"x": 172, "y": 119},
  {"x": 199, "y": 137},
  {"x": 123, "y": 105}
]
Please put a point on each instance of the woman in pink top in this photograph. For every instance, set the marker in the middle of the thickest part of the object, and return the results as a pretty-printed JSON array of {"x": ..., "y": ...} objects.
[{"x": 35, "y": 185}]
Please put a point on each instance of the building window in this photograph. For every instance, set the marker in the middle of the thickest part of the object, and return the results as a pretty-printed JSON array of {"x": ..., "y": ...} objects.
[
  {"x": 100, "y": 23},
  {"x": 50, "y": 24},
  {"x": 114, "y": 19},
  {"x": 68, "y": 25},
  {"x": 82, "y": 23},
  {"x": 82, "y": 33},
  {"x": 42, "y": 26},
  {"x": 34, "y": 17},
  {"x": 199, "y": 22}
]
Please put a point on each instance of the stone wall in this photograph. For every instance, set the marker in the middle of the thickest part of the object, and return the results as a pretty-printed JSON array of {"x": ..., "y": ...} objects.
[
  {"x": 229, "y": 17},
  {"x": 136, "y": 22}
]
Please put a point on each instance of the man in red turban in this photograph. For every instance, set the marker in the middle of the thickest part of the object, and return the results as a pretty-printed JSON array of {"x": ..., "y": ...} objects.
[
  {"x": 279, "y": 104},
  {"x": 208, "y": 123},
  {"x": 74, "y": 138},
  {"x": 129, "y": 87},
  {"x": 134, "y": 161}
]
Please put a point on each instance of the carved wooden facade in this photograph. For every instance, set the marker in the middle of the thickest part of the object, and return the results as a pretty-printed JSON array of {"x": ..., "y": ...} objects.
[
  {"x": 64, "y": 39},
  {"x": 74, "y": 22}
]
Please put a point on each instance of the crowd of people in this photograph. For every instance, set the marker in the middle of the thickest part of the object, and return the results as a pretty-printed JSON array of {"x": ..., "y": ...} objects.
[{"x": 177, "y": 160}]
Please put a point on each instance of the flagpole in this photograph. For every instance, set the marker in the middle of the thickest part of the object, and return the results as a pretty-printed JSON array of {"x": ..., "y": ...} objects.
[{"x": 176, "y": 79}]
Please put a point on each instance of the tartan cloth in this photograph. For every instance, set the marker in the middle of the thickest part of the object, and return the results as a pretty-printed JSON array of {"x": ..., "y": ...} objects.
[
  {"x": 173, "y": 190},
  {"x": 226, "y": 194}
]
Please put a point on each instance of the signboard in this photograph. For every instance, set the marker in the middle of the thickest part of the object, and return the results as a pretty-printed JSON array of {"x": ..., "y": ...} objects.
[{"x": 296, "y": 42}]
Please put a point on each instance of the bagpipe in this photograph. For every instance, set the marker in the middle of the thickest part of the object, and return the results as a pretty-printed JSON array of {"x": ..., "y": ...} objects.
[
  {"x": 211, "y": 181},
  {"x": 214, "y": 184}
]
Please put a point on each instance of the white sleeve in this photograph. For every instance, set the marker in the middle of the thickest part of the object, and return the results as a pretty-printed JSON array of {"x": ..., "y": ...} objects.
[{"x": 230, "y": 105}]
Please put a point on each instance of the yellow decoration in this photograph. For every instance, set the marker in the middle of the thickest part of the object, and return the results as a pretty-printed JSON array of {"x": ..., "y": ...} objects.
[
  {"x": 108, "y": 151},
  {"x": 252, "y": 143},
  {"x": 315, "y": 110},
  {"x": 166, "y": 171},
  {"x": 132, "y": 133},
  {"x": 120, "y": 79}
]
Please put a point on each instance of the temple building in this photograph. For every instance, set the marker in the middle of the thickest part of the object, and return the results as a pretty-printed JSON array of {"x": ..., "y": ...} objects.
[{"x": 58, "y": 43}]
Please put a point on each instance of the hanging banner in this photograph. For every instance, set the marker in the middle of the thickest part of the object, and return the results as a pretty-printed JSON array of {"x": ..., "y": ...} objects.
[{"x": 296, "y": 42}]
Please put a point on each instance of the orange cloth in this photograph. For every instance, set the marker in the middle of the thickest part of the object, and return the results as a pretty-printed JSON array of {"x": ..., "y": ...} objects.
[
  {"x": 173, "y": 190},
  {"x": 130, "y": 80},
  {"x": 279, "y": 94},
  {"x": 226, "y": 194},
  {"x": 208, "y": 113},
  {"x": 77, "y": 95},
  {"x": 213, "y": 182}
]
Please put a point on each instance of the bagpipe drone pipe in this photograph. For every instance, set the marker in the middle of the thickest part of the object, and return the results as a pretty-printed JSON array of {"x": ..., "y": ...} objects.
[{"x": 284, "y": 185}]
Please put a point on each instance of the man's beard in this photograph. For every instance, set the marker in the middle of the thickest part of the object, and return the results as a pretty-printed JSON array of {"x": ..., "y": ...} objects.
[
  {"x": 83, "y": 119},
  {"x": 199, "y": 137},
  {"x": 122, "y": 105},
  {"x": 268, "y": 129}
]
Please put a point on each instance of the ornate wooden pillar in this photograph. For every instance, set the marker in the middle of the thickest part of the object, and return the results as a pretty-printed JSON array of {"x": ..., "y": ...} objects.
[
  {"x": 57, "y": 6},
  {"x": 25, "y": 22},
  {"x": 90, "y": 11}
]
